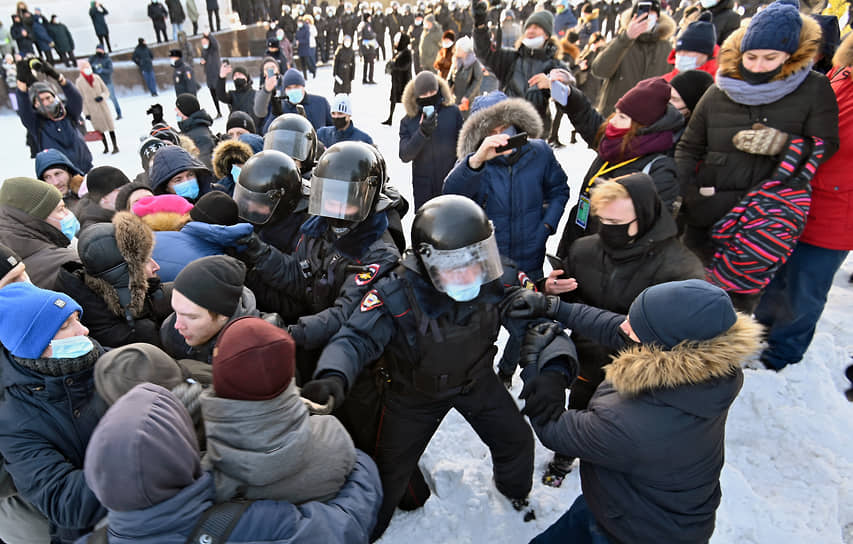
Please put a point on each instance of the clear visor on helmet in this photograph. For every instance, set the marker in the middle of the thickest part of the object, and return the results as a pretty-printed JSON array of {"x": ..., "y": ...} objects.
[
  {"x": 477, "y": 263},
  {"x": 336, "y": 199},
  {"x": 296, "y": 145},
  {"x": 256, "y": 208}
]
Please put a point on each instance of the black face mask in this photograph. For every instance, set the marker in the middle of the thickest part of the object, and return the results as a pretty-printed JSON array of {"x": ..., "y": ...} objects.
[
  {"x": 616, "y": 236},
  {"x": 240, "y": 83},
  {"x": 428, "y": 101},
  {"x": 340, "y": 122},
  {"x": 757, "y": 78}
]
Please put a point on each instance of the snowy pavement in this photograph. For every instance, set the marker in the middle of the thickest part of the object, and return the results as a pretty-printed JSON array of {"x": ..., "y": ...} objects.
[{"x": 789, "y": 449}]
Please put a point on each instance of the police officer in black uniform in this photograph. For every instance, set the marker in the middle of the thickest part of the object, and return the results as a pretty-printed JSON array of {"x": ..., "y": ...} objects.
[
  {"x": 436, "y": 319},
  {"x": 294, "y": 135}
]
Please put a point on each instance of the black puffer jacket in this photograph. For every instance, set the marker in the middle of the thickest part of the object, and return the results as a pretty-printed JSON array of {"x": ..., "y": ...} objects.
[
  {"x": 726, "y": 20},
  {"x": 197, "y": 127},
  {"x": 238, "y": 99}
]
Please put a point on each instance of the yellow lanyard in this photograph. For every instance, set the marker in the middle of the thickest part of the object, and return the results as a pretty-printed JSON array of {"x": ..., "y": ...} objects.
[{"x": 605, "y": 169}]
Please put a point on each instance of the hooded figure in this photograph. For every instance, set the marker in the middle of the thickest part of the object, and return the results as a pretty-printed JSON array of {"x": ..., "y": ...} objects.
[
  {"x": 53, "y": 158},
  {"x": 170, "y": 161}
]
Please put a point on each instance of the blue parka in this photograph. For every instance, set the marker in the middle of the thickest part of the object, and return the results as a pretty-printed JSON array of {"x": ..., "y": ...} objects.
[
  {"x": 303, "y": 38},
  {"x": 102, "y": 65},
  {"x": 524, "y": 194},
  {"x": 176, "y": 249}
]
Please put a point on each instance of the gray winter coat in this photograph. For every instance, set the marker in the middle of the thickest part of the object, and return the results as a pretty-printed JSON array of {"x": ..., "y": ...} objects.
[
  {"x": 466, "y": 83},
  {"x": 429, "y": 46},
  {"x": 272, "y": 449}
]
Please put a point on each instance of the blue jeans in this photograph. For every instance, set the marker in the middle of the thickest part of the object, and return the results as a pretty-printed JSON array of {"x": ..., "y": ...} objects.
[
  {"x": 576, "y": 526},
  {"x": 113, "y": 97},
  {"x": 150, "y": 81},
  {"x": 175, "y": 29},
  {"x": 793, "y": 302}
]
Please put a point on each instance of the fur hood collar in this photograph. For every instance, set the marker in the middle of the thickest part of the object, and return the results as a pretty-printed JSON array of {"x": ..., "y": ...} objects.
[
  {"x": 642, "y": 368},
  {"x": 664, "y": 30},
  {"x": 135, "y": 242},
  {"x": 844, "y": 55},
  {"x": 410, "y": 100},
  {"x": 512, "y": 111},
  {"x": 810, "y": 37},
  {"x": 228, "y": 153}
]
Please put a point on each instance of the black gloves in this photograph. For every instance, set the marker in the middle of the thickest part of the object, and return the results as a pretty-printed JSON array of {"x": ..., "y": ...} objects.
[
  {"x": 99, "y": 99},
  {"x": 536, "y": 339},
  {"x": 88, "y": 117},
  {"x": 546, "y": 397},
  {"x": 25, "y": 75},
  {"x": 251, "y": 249},
  {"x": 527, "y": 304},
  {"x": 429, "y": 124},
  {"x": 46, "y": 69},
  {"x": 325, "y": 390},
  {"x": 478, "y": 12}
]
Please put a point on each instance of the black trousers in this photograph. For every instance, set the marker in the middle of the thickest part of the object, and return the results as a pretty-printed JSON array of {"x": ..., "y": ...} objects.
[
  {"x": 160, "y": 28},
  {"x": 410, "y": 418},
  {"x": 210, "y": 14}
]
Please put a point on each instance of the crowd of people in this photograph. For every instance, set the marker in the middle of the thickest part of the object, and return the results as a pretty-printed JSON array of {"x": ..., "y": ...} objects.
[{"x": 242, "y": 339}]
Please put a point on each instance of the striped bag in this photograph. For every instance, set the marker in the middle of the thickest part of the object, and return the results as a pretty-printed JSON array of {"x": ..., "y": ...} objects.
[{"x": 757, "y": 236}]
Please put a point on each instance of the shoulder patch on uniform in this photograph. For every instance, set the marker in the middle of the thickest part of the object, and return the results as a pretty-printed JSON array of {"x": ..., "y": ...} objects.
[
  {"x": 365, "y": 277},
  {"x": 526, "y": 282},
  {"x": 370, "y": 301}
]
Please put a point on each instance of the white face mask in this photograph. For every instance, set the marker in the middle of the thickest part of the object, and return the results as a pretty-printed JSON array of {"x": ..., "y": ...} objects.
[
  {"x": 653, "y": 21},
  {"x": 447, "y": 44},
  {"x": 709, "y": 3},
  {"x": 87, "y": 71},
  {"x": 533, "y": 43},
  {"x": 683, "y": 63}
]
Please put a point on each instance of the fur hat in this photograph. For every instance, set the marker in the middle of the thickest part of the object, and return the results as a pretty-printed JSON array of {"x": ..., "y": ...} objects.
[
  {"x": 163, "y": 212},
  {"x": 776, "y": 27},
  {"x": 491, "y": 111},
  {"x": 228, "y": 153}
]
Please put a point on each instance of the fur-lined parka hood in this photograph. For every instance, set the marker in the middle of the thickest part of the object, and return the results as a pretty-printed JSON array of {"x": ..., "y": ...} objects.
[
  {"x": 844, "y": 55},
  {"x": 410, "y": 101},
  {"x": 664, "y": 30},
  {"x": 513, "y": 111},
  {"x": 644, "y": 368},
  {"x": 135, "y": 242},
  {"x": 227, "y": 153},
  {"x": 731, "y": 55}
]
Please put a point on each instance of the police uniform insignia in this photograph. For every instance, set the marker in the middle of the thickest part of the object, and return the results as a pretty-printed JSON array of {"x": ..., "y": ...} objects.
[
  {"x": 526, "y": 282},
  {"x": 367, "y": 276},
  {"x": 370, "y": 301}
]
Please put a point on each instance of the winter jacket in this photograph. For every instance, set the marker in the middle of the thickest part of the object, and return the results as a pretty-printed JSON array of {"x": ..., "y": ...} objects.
[
  {"x": 99, "y": 20},
  {"x": 176, "y": 12},
  {"x": 651, "y": 441},
  {"x": 514, "y": 67},
  {"x": 430, "y": 44},
  {"x": 197, "y": 127},
  {"x": 24, "y": 43},
  {"x": 238, "y": 99},
  {"x": 157, "y": 13},
  {"x": 303, "y": 41},
  {"x": 184, "y": 80},
  {"x": 331, "y": 135},
  {"x": 705, "y": 155},
  {"x": 830, "y": 221},
  {"x": 171, "y": 163},
  {"x": 466, "y": 82},
  {"x": 192, "y": 11},
  {"x": 726, "y": 20},
  {"x": 433, "y": 156},
  {"x": 524, "y": 194},
  {"x": 62, "y": 134},
  {"x": 709, "y": 66},
  {"x": 143, "y": 58},
  {"x": 311, "y": 461},
  {"x": 564, "y": 22},
  {"x": 344, "y": 69},
  {"x": 212, "y": 61},
  {"x": 212, "y": 5},
  {"x": 43, "y": 248},
  {"x": 89, "y": 212},
  {"x": 623, "y": 62},
  {"x": 40, "y": 33},
  {"x": 176, "y": 249},
  {"x": 268, "y": 107},
  {"x": 347, "y": 518},
  {"x": 102, "y": 65},
  {"x": 97, "y": 112},
  {"x": 401, "y": 69},
  {"x": 62, "y": 38},
  {"x": 45, "y": 425}
]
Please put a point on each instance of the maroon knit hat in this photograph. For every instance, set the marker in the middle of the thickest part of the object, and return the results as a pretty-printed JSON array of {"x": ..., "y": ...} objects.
[
  {"x": 252, "y": 360},
  {"x": 646, "y": 102}
]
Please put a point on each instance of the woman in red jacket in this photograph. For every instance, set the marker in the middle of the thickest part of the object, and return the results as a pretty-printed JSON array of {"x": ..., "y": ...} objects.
[{"x": 794, "y": 299}]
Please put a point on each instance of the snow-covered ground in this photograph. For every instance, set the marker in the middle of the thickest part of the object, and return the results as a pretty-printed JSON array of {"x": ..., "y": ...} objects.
[{"x": 789, "y": 470}]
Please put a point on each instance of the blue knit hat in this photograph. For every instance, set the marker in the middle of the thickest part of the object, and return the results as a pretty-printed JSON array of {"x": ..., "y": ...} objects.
[
  {"x": 669, "y": 313},
  {"x": 255, "y": 142},
  {"x": 30, "y": 317},
  {"x": 777, "y": 27},
  {"x": 487, "y": 101},
  {"x": 699, "y": 36},
  {"x": 293, "y": 77}
]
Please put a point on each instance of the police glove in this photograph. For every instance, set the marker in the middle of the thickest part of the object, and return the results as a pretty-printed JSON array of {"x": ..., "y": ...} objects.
[
  {"x": 528, "y": 304},
  {"x": 328, "y": 390},
  {"x": 251, "y": 249},
  {"x": 478, "y": 12},
  {"x": 46, "y": 69},
  {"x": 429, "y": 124},
  {"x": 536, "y": 339},
  {"x": 545, "y": 397}
]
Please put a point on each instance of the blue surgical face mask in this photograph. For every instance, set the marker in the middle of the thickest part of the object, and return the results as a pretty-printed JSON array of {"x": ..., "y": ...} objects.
[
  {"x": 187, "y": 189},
  {"x": 71, "y": 348},
  {"x": 235, "y": 172},
  {"x": 295, "y": 96},
  {"x": 69, "y": 225},
  {"x": 683, "y": 63},
  {"x": 463, "y": 293}
]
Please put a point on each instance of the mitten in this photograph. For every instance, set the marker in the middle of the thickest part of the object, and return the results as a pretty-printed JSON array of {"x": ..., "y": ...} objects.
[{"x": 760, "y": 140}]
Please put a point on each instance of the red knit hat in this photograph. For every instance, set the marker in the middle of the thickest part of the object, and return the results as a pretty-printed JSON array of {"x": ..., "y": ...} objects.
[
  {"x": 161, "y": 203},
  {"x": 252, "y": 360},
  {"x": 646, "y": 102}
]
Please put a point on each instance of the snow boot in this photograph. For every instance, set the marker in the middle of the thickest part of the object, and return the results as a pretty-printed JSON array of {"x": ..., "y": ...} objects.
[{"x": 557, "y": 470}]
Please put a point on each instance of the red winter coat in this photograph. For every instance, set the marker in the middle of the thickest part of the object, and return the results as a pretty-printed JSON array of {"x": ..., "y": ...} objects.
[
  {"x": 710, "y": 65},
  {"x": 830, "y": 222}
]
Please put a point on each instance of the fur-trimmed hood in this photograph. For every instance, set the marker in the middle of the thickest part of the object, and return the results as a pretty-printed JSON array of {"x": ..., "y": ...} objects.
[
  {"x": 643, "y": 368},
  {"x": 126, "y": 285},
  {"x": 844, "y": 55},
  {"x": 513, "y": 111},
  {"x": 731, "y": 55},
  {"x": 664, "y": 30},
  {"x": 410, "y": 101},
  {"x": 227, "y": 153}
]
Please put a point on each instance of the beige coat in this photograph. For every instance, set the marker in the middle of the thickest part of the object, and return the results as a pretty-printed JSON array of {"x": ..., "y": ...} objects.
[{"x": 102, "y": 117}]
